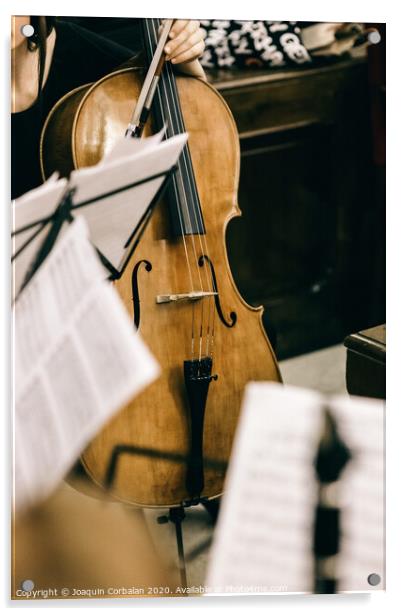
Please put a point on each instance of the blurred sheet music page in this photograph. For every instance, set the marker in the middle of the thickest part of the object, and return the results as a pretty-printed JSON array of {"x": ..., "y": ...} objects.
[
  {"x": 265, "y": 526},
  {"x": 264, "y": 537},
  {"x": 361, "y": 424},
  {"x": 77, "y": 360},
  {"x": 37, "y": 204}
]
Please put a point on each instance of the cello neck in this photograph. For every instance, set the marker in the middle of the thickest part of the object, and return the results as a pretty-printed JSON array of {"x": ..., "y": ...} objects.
[{"x": 184, "y": 203}]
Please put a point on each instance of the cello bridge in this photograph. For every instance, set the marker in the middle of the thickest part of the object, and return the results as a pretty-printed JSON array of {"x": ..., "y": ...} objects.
[{"x": 192, "y": 296}]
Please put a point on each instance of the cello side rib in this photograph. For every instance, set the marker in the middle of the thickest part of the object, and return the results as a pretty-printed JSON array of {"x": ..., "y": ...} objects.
[{"x": 56, "y": 152}]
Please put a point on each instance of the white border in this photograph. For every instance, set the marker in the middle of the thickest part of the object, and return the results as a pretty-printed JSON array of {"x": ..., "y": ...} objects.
[{"x": 307, "y": 10}]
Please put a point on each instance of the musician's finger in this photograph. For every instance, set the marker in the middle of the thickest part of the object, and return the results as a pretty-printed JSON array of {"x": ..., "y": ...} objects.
[
  {"x": 189, "y": 42},
  {"x": 188, "y": 30},
  {"x": 191, "y": 54},
  {"x": 178, "y": 26},
  {"x": 192, "y": 40}
]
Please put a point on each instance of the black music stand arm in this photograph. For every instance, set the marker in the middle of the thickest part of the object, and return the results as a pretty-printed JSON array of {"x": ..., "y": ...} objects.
[
  {"x": 140, "y": 227},
  {"x": 143, "y": 222},
  {"x": 331, "y": 458},
  {"x": 63, "y": 213},
  {"x": 176, "y": 514}
]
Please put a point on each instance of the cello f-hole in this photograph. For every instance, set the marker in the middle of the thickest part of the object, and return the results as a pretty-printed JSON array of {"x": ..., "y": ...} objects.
[
  {"x": 232, "y": 315},
  {"x": 134, "y": 285}
]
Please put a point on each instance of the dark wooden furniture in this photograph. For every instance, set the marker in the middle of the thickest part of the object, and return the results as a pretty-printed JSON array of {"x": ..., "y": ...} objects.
[
  {"x": 365, "y": 363},
  {"x": 305, "y": 245}
]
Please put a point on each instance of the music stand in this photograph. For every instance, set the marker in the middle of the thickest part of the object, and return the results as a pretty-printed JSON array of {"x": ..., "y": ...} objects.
[
  {"x": 64, "y": 213},
  {"x": 177, "y": 513}
]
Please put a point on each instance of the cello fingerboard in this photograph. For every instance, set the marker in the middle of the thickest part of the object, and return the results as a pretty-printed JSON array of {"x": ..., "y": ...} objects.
[{"x": 182, "y": 195}]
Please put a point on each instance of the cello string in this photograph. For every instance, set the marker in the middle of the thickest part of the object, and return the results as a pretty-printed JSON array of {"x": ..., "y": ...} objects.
[
  {"x": 179, "y": 175},
  {"x": 203, "y": 237},
  {"x": 186, "y": 203},
  {"x": 174, "y": 120},
  {"x": 203, "y": 245},
  {"x": 202, "y": 241},
  {"x": 184, "y": 239}
]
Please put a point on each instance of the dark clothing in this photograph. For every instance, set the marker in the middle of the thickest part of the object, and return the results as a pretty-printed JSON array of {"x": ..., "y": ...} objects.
[{"x": 80, "y": 56}]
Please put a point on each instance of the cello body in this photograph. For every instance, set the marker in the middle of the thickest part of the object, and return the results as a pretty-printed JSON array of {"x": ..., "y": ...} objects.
[{"x": 79, "y": 131}]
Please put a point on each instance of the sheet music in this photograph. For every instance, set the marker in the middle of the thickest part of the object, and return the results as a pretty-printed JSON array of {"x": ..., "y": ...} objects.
[
  {"x": 264, "y": 537},
  {"x": 264, "y": 527},
  {"x": 127, "y": 147},
  {"x": 361, "y": 424},
  {"x": 34, "y": 205},
  {"x": 112, "y": 220},
  {"x": 77, "y": 360}
]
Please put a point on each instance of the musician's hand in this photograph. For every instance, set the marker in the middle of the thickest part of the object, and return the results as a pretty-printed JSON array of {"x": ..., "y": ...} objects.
[{"x": 185, "y": 46}]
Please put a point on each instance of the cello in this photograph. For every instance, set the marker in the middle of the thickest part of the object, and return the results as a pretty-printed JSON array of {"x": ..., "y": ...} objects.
[{"x": 178, "y": 288}]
